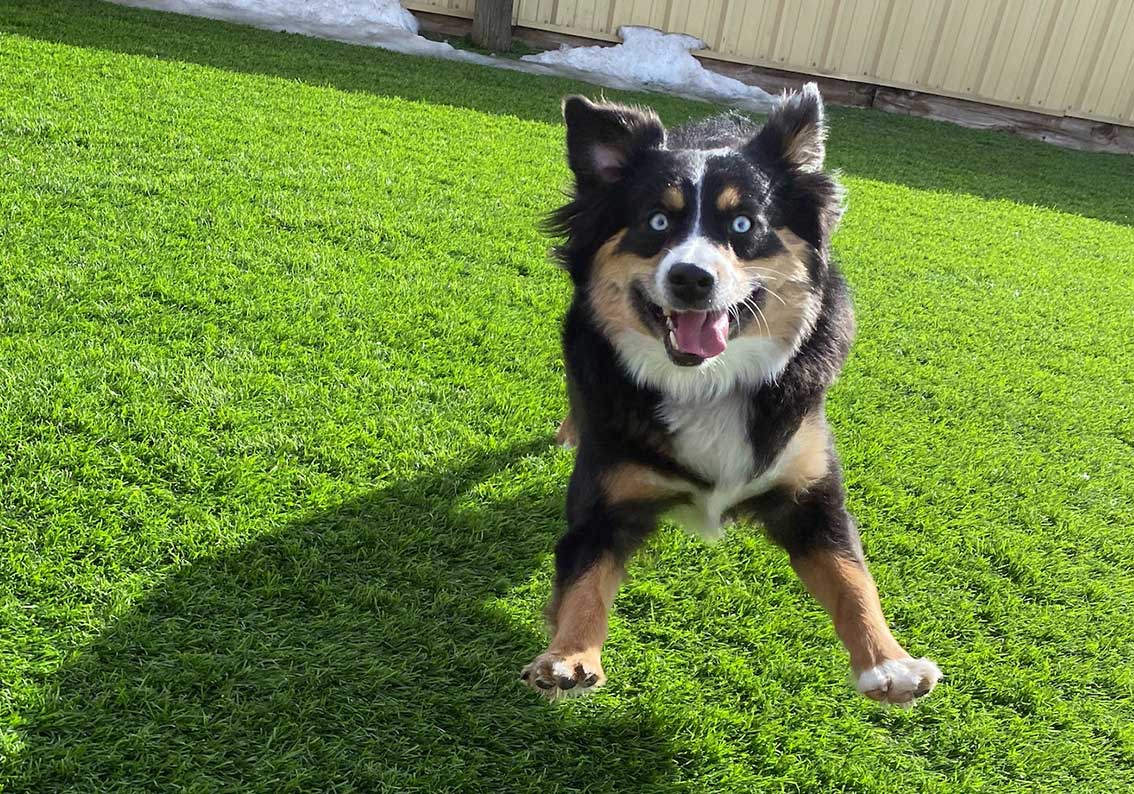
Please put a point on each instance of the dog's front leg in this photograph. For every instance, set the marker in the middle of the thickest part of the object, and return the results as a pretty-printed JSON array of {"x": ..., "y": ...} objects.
[
  {"x": 610, "y": 512},
  {"x": 883, "y": 669},
  {"x": 577, "y": 617},
  {"x": 822, "y": 542}
]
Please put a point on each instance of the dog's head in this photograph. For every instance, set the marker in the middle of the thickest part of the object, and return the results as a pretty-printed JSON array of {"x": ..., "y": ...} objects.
[{"x": 705, "y": 248}]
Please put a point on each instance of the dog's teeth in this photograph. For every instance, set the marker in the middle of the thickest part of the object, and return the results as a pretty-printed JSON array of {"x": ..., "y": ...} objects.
[{"x": 673, "y": 339}]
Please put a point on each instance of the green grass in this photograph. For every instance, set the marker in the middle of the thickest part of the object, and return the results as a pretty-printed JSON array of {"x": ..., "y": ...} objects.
[{"x": 278, "y": 379}]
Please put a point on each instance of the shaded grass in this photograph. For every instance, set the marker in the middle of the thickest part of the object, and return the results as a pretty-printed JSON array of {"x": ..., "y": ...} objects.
[
  {"x": 278, "y": 375},
  {"x": 517, "y": 51}
]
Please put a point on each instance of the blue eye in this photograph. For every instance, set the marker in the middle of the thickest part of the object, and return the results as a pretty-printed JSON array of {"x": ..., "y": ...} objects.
[
  {"x": 659, "y": 222},
  {"x": 741, "y": 224}
]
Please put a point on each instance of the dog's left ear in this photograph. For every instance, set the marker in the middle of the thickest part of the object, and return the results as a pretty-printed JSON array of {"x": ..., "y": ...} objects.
[
  {"x": 796, "y": 131},
  {"x": 604, "y": 140}
]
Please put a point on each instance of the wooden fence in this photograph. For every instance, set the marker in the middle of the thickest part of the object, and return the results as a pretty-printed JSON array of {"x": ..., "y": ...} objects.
[{"x": 1059, "y": 57}]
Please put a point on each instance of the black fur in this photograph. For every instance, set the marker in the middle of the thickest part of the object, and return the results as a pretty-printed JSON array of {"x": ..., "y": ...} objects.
[
  {"x": 802, "y": 523},
  {"x": 617, "y": 419}
]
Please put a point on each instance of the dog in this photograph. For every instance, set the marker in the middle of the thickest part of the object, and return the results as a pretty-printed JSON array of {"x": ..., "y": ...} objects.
[{"x": 708, "y": 322}]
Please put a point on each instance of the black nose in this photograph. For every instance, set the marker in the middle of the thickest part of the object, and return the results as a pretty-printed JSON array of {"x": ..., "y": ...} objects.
[{"x": 689, "y": 283}]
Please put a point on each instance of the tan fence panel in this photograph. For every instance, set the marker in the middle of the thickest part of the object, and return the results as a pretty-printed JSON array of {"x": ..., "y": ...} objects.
[
  {"x": 453, "y": 8},
  {"x": 1073, "y": 57}
]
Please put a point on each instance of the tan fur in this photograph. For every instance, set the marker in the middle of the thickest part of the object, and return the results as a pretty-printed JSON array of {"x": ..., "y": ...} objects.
[
  {"x": 630, "y": 482},
  {"x": 578, "y": 615},
  {"x": 673, "y": 199},
  {"x": 566, "y": 435},
  {"x": 793, "y": 242},
  {"x": 609, "y": 289},
  {"x": 728, "y": 199},
  {"x": 811, "y": 455},
  {"x": 789, "y": 308},
  {"x": 807, "y": 148},
  {"x": 846, "y": 590}
]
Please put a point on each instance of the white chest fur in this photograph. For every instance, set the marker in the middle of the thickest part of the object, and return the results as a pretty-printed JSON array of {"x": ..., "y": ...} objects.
[{"x": 711, "y": 439}]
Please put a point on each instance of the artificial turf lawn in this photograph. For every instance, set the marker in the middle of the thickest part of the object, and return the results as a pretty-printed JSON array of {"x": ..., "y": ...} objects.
[{"x": 278, "y": 380}]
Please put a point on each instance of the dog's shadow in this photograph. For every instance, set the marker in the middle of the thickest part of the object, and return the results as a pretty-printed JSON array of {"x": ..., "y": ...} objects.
[{"x": 367, "y": 648}]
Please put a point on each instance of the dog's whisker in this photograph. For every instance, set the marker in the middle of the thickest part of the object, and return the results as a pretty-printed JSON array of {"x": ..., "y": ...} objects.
[
  {"x": 757, "y": 314},
  {"x": 767, "y": 327},
  {"x": 775, "y": 295},
  {"x": 765, "y": 287},
  {"x": 764, "y": 319}
]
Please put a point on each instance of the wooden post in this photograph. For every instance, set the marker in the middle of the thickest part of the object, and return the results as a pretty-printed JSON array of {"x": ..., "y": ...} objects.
[{"x": 492, "y": 25}]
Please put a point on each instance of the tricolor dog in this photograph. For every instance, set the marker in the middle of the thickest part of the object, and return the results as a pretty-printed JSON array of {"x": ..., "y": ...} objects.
[{"x": 708, "y": 322}]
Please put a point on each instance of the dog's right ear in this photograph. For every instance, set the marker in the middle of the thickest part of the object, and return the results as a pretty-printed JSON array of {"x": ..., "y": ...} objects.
[
  {"x": 796, "y": 130},
  {"x": 604, "y": 140}
]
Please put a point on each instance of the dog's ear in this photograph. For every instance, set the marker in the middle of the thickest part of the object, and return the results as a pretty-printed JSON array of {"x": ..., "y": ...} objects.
[
  {"x": 796, "y": 131},
  {"x": 604, "y": 140}
]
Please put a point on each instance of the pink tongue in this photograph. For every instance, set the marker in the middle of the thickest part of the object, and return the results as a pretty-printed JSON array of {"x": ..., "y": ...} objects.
[{"x": 703, "y": 334}]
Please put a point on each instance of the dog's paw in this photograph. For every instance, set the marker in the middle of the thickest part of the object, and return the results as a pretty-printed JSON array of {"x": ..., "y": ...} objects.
[
  {"x": 556, "y": 675},
  {"x": 899, "y": 681}
]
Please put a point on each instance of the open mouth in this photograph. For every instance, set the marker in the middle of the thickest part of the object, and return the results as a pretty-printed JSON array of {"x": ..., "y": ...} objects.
[{"x": 693, "y": 337}]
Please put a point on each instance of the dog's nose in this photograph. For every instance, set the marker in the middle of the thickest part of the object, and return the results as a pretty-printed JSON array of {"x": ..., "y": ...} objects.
[{"x": 689, "y": 283}]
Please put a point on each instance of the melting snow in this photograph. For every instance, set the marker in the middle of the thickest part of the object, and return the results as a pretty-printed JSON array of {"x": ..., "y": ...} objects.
[
  {"x": 653, "y": 59},
  {"x": 375, "y": 23},
  {"x": 646, "y": 58}
]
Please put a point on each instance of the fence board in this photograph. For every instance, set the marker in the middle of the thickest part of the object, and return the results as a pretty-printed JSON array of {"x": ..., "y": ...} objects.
[{"x": 1062, "y": 57}]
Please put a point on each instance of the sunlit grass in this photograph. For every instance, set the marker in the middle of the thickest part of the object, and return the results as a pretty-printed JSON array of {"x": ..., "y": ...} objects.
[{"x": 279, "y": 372}]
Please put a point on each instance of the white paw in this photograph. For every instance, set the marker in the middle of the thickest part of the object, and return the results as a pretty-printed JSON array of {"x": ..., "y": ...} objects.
[
  {"x": 900, "y": 681},
  {"x": 556, "y": 675}
]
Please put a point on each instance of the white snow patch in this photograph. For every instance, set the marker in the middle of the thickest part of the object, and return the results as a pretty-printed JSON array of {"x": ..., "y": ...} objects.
[
  {"x": 375, "y": 23},
  {"x": 647, "y": 58},
  {"x": 652, "y": 59}
]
